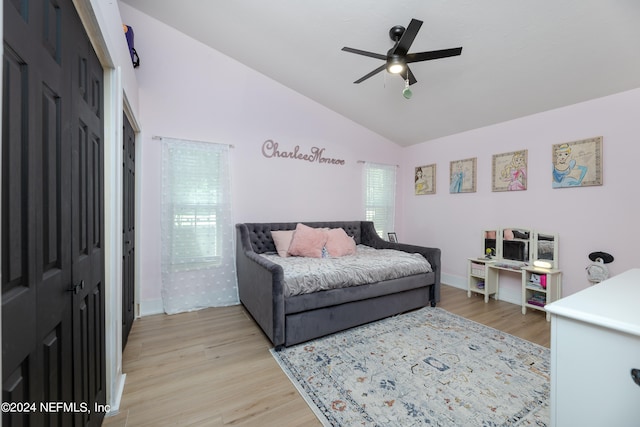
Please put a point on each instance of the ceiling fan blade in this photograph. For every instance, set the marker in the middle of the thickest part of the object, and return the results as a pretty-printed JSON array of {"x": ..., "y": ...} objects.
[
  {"x": 407, "y": 38},
  {"x": 373, "y": 73},
  {"x": 434, "y": 54},
  {"x": 365, "y": 53},
  {"x": 412, "y": 78}
]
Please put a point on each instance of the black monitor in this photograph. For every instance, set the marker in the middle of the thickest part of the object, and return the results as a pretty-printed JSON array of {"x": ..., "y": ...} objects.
[{"x": 515, "y": 250}]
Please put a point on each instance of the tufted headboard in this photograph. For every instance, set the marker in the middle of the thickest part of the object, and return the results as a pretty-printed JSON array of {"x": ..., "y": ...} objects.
[{"x": 260, "y": 233}]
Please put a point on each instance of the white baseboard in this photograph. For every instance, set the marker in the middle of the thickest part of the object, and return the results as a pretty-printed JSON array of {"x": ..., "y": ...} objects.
[
  {"x": 114, "y": 407},
  {"x": 151, "y": 307},
  {"x": 455, "y": 281},
  {"x": 505, "y": 293}
]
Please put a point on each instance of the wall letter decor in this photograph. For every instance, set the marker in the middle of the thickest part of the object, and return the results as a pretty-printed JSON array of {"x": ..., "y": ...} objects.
[{"x": 270, "y": 150}]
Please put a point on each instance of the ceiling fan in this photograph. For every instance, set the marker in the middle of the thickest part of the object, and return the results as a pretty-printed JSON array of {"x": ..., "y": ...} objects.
[{"x": 398, "y": 58}]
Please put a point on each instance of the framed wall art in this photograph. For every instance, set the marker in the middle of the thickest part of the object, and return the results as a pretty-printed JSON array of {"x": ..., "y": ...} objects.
[
  {"x": 462, "y": 176},
  {"x": 577, "y": 163},
  {"x": 425, "y": 179},
  {"x": 509, "y": 171}
]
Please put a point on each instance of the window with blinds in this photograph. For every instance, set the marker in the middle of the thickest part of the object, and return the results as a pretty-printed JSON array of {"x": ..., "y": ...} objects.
[
  {"x": 380, "y": 196},
  {"x": 194, "y": 193}
]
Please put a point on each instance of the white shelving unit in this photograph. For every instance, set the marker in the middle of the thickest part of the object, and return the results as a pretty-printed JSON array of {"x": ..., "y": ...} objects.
[
  {"x": 478, "y": 269},
  {"x": 540, "y": 286}
]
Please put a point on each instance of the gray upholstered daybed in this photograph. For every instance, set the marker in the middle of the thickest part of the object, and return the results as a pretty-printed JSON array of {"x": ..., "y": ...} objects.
[{"x": 288, "y": 320}]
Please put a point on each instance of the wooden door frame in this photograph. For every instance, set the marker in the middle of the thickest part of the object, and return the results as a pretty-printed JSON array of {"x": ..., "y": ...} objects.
[{"x": 115, "y": 103}]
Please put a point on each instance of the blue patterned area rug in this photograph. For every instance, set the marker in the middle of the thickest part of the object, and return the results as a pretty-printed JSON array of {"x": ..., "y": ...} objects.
[{"x": 427, "y": 367}]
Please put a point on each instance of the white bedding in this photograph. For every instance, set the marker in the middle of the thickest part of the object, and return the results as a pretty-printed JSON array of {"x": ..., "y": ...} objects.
[{"x": 305, "y": 275}]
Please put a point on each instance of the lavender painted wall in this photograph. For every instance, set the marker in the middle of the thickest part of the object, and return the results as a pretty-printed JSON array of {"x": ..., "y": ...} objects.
[
  {"x": 587, "y": 219},
  {"x": 190, "y": 91}
]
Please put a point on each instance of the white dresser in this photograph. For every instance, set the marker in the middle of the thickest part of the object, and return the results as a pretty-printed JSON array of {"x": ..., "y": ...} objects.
[{"x": 595, "y": 344}]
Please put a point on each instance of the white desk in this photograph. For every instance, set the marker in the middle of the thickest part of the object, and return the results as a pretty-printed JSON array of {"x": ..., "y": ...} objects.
[
  {"x": 595, "y": 342},
  {"x": 484, "y": 278}
]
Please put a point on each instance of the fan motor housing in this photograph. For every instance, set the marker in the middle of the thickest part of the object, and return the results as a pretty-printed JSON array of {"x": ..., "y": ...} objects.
[{"x": 396, "y": 32}]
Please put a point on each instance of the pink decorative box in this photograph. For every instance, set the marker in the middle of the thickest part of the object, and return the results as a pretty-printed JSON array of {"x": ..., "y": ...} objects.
[{"x": 543, "y": 281}]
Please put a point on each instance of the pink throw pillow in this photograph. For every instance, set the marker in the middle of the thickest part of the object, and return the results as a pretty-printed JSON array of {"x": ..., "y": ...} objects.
[
  {"x": 308, "y": 241},
  {"x": 339, "y": 243},
  {"x": 282, "y": 240}
]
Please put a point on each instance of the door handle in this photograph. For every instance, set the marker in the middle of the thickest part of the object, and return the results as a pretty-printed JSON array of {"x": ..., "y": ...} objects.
[{"x": 77, "y": 288}]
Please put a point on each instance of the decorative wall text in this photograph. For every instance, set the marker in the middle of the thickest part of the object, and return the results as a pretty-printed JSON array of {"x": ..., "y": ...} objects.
[{"x": 270, "y": 149}]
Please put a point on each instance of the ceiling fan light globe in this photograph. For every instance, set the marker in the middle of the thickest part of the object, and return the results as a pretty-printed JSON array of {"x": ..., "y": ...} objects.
[
  {"x": 407, "y": 93},
  {"x": 395, "y": 64},
  {"x": 396, "y": 68}
]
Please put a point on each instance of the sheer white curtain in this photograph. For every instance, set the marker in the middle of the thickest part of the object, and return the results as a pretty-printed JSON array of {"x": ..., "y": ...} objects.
[
  {"x": 198, "y": 259},
  {"x": 380, "y": 196}
]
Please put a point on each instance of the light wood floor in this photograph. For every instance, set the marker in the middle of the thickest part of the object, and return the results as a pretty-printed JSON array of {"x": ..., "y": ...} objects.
[{"x": 213, "y": 367}]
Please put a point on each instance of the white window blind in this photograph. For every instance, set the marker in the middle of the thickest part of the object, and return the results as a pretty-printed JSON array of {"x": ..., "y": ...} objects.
[
  {"x": 198, "y": 259},
  {"x": 380, "y": 196}
]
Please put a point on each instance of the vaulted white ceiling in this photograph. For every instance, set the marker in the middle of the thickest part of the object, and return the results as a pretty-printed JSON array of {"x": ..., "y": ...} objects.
[{"x": 519, "y": 57}]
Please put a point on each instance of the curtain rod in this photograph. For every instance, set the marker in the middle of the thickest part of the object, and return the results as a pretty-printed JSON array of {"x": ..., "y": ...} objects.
[
  {"x": 156, "y": 137},
  {"x": 364, "y": 161}
]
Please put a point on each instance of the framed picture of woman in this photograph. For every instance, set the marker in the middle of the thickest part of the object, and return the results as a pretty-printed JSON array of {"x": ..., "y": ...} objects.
[
  {"x": 425, "y": 180},
  {"x": 462, "y": 176},
  {"x": 509, "y": 171},
  {"x": 577, "y": 163}
]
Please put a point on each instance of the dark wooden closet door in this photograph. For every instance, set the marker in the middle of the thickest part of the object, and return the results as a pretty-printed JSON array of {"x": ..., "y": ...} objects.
[
  {"x": 128, "y": 229},
  {"x": 87, "y": 230},
  {"x": 36, "y": 263},
  {"x": 51, "y": 201}
]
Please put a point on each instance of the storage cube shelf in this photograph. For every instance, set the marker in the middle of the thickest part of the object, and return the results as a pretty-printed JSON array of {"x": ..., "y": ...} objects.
[
  {"x": 477, "y": 282},
  {"x": 477, "y": 269},
  {"x": 540, "y": 287}
]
